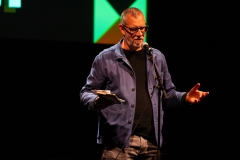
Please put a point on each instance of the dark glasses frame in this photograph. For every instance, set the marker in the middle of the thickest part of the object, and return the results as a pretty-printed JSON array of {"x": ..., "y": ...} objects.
[{"x": 134, "y": 30}]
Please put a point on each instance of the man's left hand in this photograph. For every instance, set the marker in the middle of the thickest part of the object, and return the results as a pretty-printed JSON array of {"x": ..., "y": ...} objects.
[{"x": 194, "y": 95}]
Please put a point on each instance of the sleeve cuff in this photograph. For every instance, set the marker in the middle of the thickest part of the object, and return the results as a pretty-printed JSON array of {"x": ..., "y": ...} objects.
[{"x": 184, "y": 102}]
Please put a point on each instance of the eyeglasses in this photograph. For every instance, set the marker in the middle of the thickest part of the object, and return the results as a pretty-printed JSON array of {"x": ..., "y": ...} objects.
[{"x": 134, "y": 30}]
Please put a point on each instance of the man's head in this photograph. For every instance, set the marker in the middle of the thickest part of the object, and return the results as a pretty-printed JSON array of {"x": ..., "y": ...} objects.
[{"x": 133, "y": 27}]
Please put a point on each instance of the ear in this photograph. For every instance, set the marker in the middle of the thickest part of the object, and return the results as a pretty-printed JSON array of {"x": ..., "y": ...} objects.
[{"x": 121, "y": 28}]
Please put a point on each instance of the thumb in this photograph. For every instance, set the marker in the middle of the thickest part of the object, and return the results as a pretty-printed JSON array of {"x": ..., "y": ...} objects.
[{"x": 196, "y": 86}]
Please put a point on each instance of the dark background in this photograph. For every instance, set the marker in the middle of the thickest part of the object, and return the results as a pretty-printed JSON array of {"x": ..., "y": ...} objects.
[{"x": 42, "y": 73}]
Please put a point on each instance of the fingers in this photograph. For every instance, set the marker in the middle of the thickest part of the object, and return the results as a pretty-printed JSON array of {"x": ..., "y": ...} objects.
[
  {"x": 202, "y": 96},
  {"x": 205, "y": 94},
  {"x": 196, "y": 96}
]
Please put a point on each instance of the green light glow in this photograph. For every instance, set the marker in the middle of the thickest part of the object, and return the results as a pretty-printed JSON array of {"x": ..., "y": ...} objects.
[
  {"x": 10, "y": 5},
  {"x": 105, "y": 16},
  {"x": 14, "y": 4}
]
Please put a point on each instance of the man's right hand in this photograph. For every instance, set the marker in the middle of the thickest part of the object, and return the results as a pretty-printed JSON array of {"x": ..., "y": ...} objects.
[{"x": 101, "y": 103}]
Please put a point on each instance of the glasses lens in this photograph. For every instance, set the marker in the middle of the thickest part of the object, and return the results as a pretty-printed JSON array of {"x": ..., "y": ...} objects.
[
  {"x": 146, "y": 28},
  {"x": 135, "y": 30},
  {"x": 143, "y": 29}
]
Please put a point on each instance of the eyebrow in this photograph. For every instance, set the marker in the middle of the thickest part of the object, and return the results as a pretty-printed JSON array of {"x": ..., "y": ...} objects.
[{"x": 135, "y": 27}]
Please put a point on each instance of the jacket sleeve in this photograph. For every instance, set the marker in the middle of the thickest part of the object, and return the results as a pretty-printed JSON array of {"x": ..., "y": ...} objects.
[
  {"x": 175, "y": 98},
  {"x": 95, "y": 80}
]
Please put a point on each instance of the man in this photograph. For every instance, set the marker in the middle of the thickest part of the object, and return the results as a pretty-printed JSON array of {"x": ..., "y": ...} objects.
[{"x": 129, "y": 130}]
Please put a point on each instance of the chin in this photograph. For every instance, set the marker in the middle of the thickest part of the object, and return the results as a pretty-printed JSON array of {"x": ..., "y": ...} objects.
[{"x": 137, "y": 43}]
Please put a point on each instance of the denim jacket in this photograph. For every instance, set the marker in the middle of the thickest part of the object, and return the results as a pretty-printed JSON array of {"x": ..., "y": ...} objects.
[{"x": 112, "y": 71}]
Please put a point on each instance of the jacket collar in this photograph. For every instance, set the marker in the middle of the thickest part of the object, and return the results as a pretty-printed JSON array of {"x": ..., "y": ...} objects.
[{"x": 120, "y": 53}]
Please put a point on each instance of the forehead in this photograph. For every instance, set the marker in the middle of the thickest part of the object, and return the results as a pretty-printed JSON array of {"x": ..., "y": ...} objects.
[{"x": 135, "y": 21}]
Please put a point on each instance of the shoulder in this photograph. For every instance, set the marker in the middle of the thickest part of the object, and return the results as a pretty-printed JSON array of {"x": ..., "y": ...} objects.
[
  {"x": 113, "y": 52},
  {"x": 107, "y": 51},
  {"x": 158, "y": 54}
]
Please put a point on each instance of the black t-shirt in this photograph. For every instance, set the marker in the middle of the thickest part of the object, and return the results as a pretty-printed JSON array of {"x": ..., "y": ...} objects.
[{"x": 143, "y": 111}]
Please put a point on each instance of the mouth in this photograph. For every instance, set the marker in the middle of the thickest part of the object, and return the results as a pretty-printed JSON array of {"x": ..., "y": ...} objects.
[{"x": 138, "y": 40}]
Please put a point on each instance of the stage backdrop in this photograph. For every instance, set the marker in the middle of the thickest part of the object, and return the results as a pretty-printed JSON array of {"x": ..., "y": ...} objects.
[{"x": 93, "y": 21}]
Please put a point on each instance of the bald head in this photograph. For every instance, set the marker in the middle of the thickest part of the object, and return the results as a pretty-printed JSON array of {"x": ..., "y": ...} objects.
[{"x": 133, "y": 12}]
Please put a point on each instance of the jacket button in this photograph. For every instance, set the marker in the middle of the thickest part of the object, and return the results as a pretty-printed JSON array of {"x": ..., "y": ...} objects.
[
  {"x": 132, "y": 73},
  {"x": 132, "y": 105},
  {"x": 133, "y": 89},
  {"x": 129, "y": 121}
]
